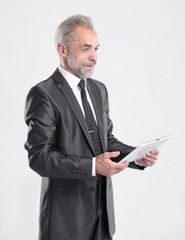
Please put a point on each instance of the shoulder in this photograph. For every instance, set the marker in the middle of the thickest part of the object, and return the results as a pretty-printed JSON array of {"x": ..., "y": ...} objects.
[
  {"x": 51, "y": 85},
  {"x": 40, "y": 94},
  {"x": 44, "y": 85},
  {"x": 98, "y": 87},
  {"x": 96, "y": 83},
  {"x": 38, "y": 100},
  {"x": 46, "y": 88}
]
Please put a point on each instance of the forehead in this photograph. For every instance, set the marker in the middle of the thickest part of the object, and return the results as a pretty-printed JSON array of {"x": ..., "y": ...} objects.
[{"x": 84, "y": 35}]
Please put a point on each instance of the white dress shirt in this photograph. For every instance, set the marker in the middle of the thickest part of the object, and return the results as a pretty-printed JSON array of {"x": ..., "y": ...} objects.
[{"x": 73, "y": 82}]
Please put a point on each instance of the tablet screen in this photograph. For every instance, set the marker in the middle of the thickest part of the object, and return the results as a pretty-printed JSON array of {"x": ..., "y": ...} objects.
[{"x": 144, "y": 148}]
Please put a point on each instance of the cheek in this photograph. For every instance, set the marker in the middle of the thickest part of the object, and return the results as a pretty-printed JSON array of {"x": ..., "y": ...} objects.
[{"x": 82, "y": 59}]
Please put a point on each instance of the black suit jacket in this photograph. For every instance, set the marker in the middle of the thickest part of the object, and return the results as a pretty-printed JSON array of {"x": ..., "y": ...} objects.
[{"x": 60, "y": 150}]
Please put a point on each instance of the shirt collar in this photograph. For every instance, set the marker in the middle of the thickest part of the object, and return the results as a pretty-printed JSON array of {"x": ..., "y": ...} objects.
[{"x": 72, "y": 80}]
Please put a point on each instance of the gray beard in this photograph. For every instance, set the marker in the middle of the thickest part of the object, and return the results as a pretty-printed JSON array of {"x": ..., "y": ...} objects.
[{"x": 78, "y": 69}]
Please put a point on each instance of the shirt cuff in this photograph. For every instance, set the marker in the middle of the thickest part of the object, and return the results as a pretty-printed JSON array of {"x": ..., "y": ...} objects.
[{"x": 93, "y": 167}]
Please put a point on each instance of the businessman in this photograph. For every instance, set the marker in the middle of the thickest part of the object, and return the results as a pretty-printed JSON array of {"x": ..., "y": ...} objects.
[{"x": 70, "y": 141}]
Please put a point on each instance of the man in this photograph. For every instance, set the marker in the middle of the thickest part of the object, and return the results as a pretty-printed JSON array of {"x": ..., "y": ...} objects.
[{"x": 70, "y": 141}]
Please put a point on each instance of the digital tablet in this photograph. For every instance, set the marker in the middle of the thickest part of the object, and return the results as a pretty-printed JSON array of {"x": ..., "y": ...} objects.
[{"x": 144, "y": 148}]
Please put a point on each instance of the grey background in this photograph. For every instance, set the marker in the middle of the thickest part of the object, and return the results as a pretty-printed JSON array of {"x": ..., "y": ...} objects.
[{"x": 142, "y": 62}]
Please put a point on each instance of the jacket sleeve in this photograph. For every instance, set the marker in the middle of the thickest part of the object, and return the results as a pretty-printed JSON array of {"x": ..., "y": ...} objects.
[
  {"x": 115, "y": 145},
  {"x": 41, "y": 142}
]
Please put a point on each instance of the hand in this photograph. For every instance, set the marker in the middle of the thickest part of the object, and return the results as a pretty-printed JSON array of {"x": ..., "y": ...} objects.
[
  {"x": 106, "y": 167},
  {"x": 149, "y": 158}
]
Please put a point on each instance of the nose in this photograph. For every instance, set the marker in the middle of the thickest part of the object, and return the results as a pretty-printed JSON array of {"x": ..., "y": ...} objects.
[{"x": 93, "y": 56}]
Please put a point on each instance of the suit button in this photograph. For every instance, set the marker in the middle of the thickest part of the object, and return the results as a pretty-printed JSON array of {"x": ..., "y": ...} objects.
[{"x": 92, "y": 189}]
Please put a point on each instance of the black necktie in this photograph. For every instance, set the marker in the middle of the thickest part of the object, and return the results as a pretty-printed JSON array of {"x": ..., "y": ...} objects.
[{"x": 90, "y": 121}]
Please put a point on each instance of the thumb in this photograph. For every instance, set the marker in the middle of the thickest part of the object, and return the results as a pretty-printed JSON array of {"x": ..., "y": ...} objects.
[{"x": 113, "y": 154}]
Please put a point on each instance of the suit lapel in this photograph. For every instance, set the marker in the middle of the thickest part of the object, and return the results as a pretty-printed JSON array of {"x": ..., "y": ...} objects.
[
  {"x": 68, "y": 93},
  {"x": 97, "y": 101}
]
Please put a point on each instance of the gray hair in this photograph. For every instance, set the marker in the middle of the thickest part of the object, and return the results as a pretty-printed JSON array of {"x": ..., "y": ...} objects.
[{"x": 66, "y": 29}]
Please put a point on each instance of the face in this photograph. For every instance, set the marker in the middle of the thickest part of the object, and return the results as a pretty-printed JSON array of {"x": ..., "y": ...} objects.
[{"x": 81, "y": 54}]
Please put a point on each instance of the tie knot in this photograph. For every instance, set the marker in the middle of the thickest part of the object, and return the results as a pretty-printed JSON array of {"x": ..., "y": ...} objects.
[{"x": 82, "y": 84}]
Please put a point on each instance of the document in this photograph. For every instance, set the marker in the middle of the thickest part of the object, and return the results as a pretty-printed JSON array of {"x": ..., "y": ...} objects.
[{"x": 144, "y": 148}]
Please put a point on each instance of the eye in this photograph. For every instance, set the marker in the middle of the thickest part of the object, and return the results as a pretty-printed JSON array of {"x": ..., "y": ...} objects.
[{"x": 86, "y": 47}]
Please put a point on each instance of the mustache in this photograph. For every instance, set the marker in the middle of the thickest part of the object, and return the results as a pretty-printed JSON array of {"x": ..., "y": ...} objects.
[{"x": 91, "y": 64}]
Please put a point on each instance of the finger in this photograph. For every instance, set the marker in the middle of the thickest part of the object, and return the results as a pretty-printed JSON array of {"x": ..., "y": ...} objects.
[
  {"x": 125, "y": 164},
  {"x": 151, "y": 155},
  {"x": 110, "y": 154},
  {"x": 149, "y": 161},
  {"x": 119, "y": 166},
  {"x": 155, "y": 151},
  {"x": 116, "y": 168}
]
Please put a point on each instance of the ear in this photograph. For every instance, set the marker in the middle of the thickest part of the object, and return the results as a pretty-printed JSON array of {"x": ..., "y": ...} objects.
[{"x": 62, "y": 50}]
